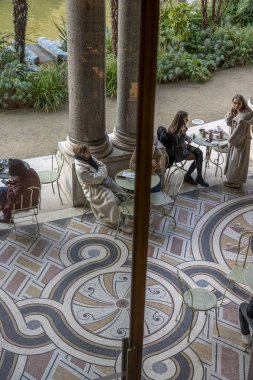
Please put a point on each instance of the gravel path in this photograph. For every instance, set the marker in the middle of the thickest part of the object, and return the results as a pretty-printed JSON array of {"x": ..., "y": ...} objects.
[{"x": 27, "y": 134}]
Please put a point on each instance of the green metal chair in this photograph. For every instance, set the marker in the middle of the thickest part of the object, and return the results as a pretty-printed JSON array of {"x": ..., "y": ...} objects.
[
  {"x": 53, "y": 175},
  {"x": 164, "y": 201},
  {"x": 126, "y": 208},
  {"x": 197, "y": 299},
  {"x": 221, "y": 151},
  {"x": 237, "y": 272},
  {"x": 26, "y": 210}
]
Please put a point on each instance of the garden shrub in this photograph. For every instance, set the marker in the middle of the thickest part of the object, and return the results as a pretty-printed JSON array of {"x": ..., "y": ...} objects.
[
  {"x": 15, "y": 86},
  {"x": 62, "y": 29},
  {"x": 239, "y": 13},
  {"x": 49, "y": 88},
  {"x": 230, "y": 47},
  {"x": 6, "y": 55},
  {"x": 177, "y": 64},
  {"x": 188, "y": 51},
  {"x": 111, "y": 75}
]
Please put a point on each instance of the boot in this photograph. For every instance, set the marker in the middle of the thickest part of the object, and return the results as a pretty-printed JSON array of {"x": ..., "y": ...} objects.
[
  {"x": 199, "y": 162},
  {"x": 188, "y": 178}
]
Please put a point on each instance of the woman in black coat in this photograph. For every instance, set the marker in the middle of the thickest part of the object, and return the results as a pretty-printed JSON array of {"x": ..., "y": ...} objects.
[{"x": 178, "y": 145}]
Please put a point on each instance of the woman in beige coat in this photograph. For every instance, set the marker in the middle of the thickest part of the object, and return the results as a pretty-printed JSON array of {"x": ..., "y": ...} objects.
[
  {"x": 240, "y": 119},
  {"x": 98, "y": 188}
]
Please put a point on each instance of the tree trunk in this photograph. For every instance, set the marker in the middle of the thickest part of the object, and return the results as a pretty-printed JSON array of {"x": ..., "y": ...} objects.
[
  {"x": 114, "y": 20},
  {"x": 218, "y": 12},
  {"x": 204, "y": 13},
  {"x": 213, "y": 10},
  {"x": 20, "y": 13}
]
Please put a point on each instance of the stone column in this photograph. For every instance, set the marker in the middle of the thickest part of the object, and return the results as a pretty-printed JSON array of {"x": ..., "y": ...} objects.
[
  {"x": 86, "y": 76},
  {"x": 128, "y": 64},
  {"x": 86, "y": 83}
]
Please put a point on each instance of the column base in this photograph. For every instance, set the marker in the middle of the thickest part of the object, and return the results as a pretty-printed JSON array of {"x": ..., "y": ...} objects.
[
  {"x": 123, "y": 141},
  {"x": 99, "y": 150}
]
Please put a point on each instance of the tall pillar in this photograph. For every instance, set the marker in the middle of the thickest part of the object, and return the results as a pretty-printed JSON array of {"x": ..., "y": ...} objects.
[
  {"x": 128, "y": 64},
  {"x": 86, "y": 76}
]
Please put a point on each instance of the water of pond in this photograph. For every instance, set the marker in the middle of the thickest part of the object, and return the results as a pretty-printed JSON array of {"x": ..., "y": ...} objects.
[{"x": 41, "y": 17}]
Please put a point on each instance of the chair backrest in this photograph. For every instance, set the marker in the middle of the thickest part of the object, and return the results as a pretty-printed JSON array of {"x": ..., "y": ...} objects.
[
  {"x": 167, "y": 141},
  {"x": 174, "y": 182},
  {"x": 184, "y": 287},
  {"x": 57, "y": 162},
  {"x": 28, "y": 200},
  {"x": 245, "y": 246},
  {"x": 126, "y": 205}
]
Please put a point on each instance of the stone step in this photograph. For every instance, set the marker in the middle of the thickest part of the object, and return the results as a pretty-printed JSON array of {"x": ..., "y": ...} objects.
[
  {"x": 31, "y": 58},
  {"x": 44, "y": 56},
  {"x": 53, "y": 48}
]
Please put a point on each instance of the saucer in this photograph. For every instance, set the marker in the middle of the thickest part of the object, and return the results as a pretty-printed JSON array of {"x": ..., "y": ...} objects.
[{"x": 198, "y": 122}]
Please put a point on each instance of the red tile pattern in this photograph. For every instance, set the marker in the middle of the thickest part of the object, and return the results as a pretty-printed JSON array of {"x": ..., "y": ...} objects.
[{"x": 230, "y": 368}]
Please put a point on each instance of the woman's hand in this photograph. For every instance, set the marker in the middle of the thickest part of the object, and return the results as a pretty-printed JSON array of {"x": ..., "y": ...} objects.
[
  {"x": 154, "y": 164},
  {"x": 233, "y": 111}
]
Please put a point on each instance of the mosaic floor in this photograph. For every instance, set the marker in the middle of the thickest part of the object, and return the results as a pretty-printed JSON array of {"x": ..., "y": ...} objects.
[{"x": 64, "y": 298}]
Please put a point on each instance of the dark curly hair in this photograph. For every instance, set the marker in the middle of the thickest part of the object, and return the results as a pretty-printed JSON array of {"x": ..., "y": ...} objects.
[{"x": 17, "y": 168}]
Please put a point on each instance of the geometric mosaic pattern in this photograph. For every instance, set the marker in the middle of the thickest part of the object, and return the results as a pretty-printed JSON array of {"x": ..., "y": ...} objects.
[{"x": 65, "y": 297}]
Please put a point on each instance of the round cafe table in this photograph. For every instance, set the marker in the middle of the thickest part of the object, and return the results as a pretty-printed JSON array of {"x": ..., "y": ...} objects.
[
  {"x": 197, "y": 138},
  {"x": 248, "y": 276},
  {"x": 126, "y": 179}
]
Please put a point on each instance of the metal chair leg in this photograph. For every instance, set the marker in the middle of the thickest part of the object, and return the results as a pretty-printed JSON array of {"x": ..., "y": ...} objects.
[
  {"x": 192, "y": 316},
  {"x": 59, "y": 192},
  {"x": 179, "y": 311},
  {"x": 216, "y": 320},
  {"x": 224, "y": 294},
  {"x": 217, "y": 164}
]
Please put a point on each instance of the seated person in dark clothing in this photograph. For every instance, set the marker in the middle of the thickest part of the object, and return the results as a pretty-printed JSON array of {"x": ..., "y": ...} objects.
[
  {"x": 246, "y": 320},
  {"x": 183, "y": 150},
  {"x": 22, "y": 178},
  {"x": 166, "y": 140}
]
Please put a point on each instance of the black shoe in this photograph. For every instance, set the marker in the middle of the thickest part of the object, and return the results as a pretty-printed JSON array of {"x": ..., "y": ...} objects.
[
  {"x": 188, "y": 178},
  {"x": 200, "y": 181}
]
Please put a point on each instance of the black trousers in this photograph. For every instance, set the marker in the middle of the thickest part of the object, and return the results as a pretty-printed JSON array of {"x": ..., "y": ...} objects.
[
  {"x": 3, "y": 196},
  {"x": 245, "y": 321}
]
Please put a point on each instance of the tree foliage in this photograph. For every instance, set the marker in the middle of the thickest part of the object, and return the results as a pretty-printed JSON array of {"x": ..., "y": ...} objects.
[{"x": 114, "y": 5}]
